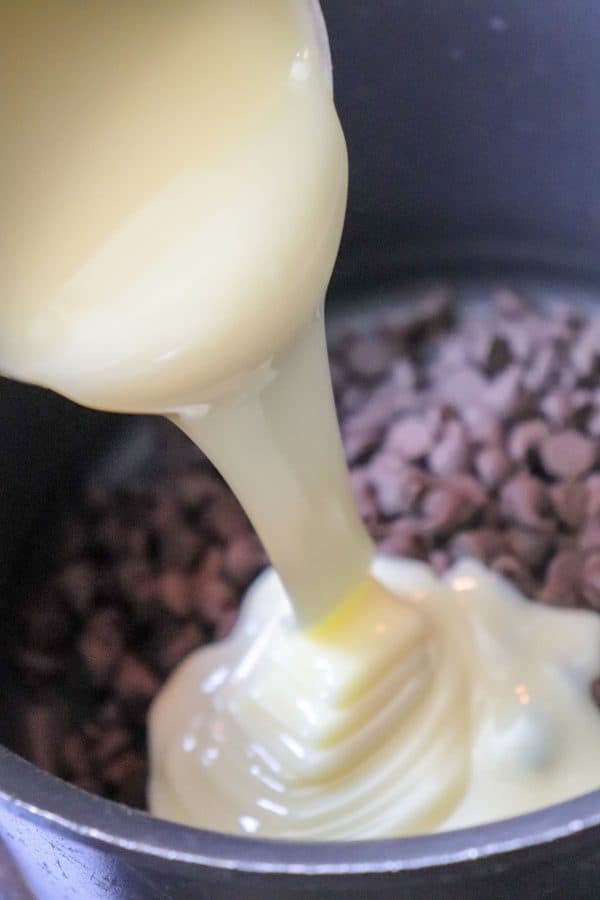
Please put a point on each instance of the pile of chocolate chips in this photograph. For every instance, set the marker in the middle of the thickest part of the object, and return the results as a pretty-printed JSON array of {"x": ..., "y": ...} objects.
[{"x": 472, "y": 429}]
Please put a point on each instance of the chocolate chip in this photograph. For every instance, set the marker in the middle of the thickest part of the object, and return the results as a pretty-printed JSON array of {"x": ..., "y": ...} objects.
[
  {"x": 472, "y": 494},
  {"x": 165, "y": 516},
  {"x": 541, "y": 374},
  {"x": 521, "y": 339},
  {"x": 531, "y": 547},
  {"x": 444, "y": 510},
  {"x": 589, "y": 537},
  {"x": 562, "y": 587},
  {"x": 401, "y": 539},
  {"x": 111, "y": 743},
  {"x": 452, "y": 356},
  {"x": 582, "y": 410},
  {"x": 525, "y": 439},
  {"x": 130, "y": 788},
  {"x": 450, "y": 505},
  {"x": 510, "y": 568},
  {"x": 87, "y": 782},
  {"x": 46, "y": 625},
  {"x": 411, "y": 438},
  {"x": 124, "y": 767},
  {"x": 465, "y": 388},
  {"x": 482, "y": 426},
  {"x": 492, "y": 466},
  {"x": 180, "y": 547},
  {"x": 75, "y": 756},
  {"x": 226, "y": 519},
  {"x": 386, "y": 402},
  {"x": 569, "y": 499},
  {"x": 403, "y": 375},
  {"x": 226, "y": 623},
  {"x": 524, "y": 500},
  {"x": 451, "y": 453},
  {"x": 592, "y": 484},
  {"x": 557, "y": 406},
  {"x": 506, "y": 393},
  {"x": 183, "y": 642},
  {"x": 398, "y": 487},
  {"x": 436, "y": 417},
  {"x": 483, "y": 544},
  {"x": 243, "y": 559},
  {"x": 492, "y": 352},
  {"x": 593, "y": 423},
  {"x": 212, "y": 598},
  {"x": 173, "y": 591},
  {"x": 77, "y": 583},
  {"x": 132, "y": 572},
  {"x": 142, "y": 600},
  {"x": 135, "y": 681},
  {"x": 374, "y": 416},
  {"x": 107, "y": 716},
  {"x": 40, "y": 665},
  {"x": 369, "y": 357},
  {"x": 134, "y": 542},
  {"x": 590, "y": 581},
  {"x": 102, "y": 644},
  {"x": 211, "y": 565},
  {"x": 410, "y": 322},
  {"x": 585, "y": 354},
  {"x": 352, "y": 399},
  {"x": 364, "y": 494},
  {"x": 196, "y": 488},
  {"x": 44, "y": 727},
  {"x": 439, "y": 562},
  {"x": 567, "y": 454},
  {"x": 110, "y": 535},
  {"x": 359, "y": 443}
]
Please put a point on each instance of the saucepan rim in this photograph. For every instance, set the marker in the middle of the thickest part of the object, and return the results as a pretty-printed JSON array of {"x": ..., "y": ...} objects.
[{"x": 28, "y": 792}]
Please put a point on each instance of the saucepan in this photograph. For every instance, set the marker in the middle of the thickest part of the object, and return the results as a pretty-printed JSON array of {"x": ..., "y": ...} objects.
[{"x": 474, "y": 135}]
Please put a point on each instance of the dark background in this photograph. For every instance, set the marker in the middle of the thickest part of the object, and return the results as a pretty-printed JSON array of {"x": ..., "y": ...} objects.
[{"x": 474, "y": 132}]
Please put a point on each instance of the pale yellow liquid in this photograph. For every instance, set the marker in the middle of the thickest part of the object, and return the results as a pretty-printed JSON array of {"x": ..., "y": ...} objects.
[
  {"x": 172, "y": 192},
  {"x": 458, "y": 703},
  {"x": 170, "y": 248},
  {"x": 173, "y": 187}
]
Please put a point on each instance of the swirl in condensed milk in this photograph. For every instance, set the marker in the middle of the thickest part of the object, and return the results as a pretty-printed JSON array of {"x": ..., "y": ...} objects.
[{"x": 430, "y": 705}]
